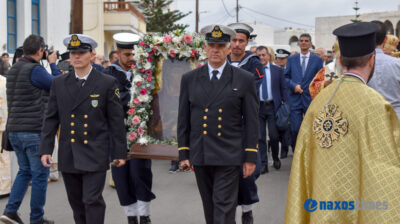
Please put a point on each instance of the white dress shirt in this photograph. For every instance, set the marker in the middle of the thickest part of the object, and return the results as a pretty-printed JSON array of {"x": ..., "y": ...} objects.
[
  {"x": 307, "y": 58},
  {"x": 220, "y": 70}
]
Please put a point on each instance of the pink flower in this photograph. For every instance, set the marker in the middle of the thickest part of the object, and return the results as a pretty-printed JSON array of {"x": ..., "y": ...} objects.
[
  {"x": 194, "y": 51},
  {"x": 142, "y": 43},
  {"x": 192, "y": 55},
  {"x": 149, "y": 72},
  {"x": 155, "y": 48},
  {"x": 136, "y": 101},
  {"x": 133, "y": 66},
  {"x": 143, "y": 91},
  {"x": 172, "y": 53},
  {"x": 148, "y": 78},
  {"x": 132, "y": 136},
  {"x": 167, "y": 39},
  {"x": 131, "y": 111},
  {"x": 151, "y": 53},
  {"x": 140, "y": 131},
  {"x": 138, "y": 83},
  {"x": 188, "y": 39},
  {"x": 149, "y": 60},
  {"x": 141, "y": 70},
  {"x": 135, "y": 120}
]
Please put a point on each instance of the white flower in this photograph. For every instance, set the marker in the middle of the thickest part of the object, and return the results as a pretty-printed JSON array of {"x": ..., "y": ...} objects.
[
  {"x": 141, "y": 110},
  {"x": 143, "y": 140},
  {"x": 148, "y": 85},
  {"x": 147, "y": 66},
  {"x": 143, "y": 98},
  {"x": 143, "y": 124},
  {"x": 176, "y": 39},
  {"x": 138, "y": 78}
]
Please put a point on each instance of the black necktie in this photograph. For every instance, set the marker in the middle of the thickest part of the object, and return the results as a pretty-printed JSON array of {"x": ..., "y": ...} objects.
[
  {"x": 214, "y": 80},
  {"x": 80, "y": 82}
]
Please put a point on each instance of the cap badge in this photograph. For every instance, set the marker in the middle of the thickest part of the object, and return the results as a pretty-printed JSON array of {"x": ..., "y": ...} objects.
[
  {"x": 216, "y": 33},
  {"x": 280, "y": 52},
  {"x": 329, "y": 125},
  {"x": 75, "y": 42}
]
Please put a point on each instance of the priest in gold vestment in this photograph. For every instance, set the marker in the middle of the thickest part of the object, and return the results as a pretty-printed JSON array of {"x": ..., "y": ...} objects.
[{"x": 346, "y": 166}]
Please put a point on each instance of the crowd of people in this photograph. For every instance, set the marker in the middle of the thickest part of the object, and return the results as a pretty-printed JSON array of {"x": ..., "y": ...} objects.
[{"x": 342, "y": 122}]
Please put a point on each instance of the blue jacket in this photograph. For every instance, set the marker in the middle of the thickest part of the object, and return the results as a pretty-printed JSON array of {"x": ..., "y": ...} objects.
[
  {"x": 294, "y": 77},
  {"x": 278, "y": 86}
]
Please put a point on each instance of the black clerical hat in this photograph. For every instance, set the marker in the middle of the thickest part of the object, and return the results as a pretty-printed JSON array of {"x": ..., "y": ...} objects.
[{"x": 356, "y": 39}]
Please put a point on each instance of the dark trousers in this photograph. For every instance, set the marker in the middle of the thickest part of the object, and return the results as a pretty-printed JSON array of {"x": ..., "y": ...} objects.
[
  {"x": 284, "y": 138},
  {"x": 296, "y": 117},
  {"x": 267, "y": 116},
  {"x": 133, "y": 181},
  {"x": 248, "y": 192},
  {"x": 84, "y": 191},
  {"x": 218, "y": 186}
]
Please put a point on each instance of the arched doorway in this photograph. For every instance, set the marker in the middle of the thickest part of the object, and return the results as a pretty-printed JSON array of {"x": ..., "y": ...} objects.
[
  {"x": 293, "y": 41},
  {"x": 398, "y": 29},
  {"x": 389, "y": 27}
]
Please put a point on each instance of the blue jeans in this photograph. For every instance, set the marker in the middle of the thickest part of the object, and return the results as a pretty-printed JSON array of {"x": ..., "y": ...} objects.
[{"x": 26, "y": 147}]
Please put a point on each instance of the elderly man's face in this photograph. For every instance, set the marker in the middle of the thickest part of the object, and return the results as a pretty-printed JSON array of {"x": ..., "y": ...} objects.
[
  {"x": 217, "y": 53},
  {"x": 281, "y": 62}
]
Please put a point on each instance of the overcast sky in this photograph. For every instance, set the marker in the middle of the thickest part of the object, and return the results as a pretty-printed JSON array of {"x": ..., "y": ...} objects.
[{"x": 301, "y": 12}]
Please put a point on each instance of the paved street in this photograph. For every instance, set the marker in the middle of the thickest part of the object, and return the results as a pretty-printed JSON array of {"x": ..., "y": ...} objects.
[{"x": 177, "y": 202}]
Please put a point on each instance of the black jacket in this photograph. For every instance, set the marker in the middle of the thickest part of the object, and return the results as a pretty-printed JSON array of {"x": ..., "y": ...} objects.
[
  {"x": 87, "y": 116},
  {"x": 211, "y": 125}
]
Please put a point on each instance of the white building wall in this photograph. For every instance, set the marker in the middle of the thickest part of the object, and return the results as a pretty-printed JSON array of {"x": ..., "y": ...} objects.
[
  {"x": 282, "y": 37},
  {"x": 3, "y": 26},
  {"x": 54, "y": 22},
  {"x": 265, "y": 34},
  {"x": 324, "y": 26}
]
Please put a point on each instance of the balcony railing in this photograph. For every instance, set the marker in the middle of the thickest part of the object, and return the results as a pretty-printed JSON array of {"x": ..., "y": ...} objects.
[{"x": 122, "y": 7}]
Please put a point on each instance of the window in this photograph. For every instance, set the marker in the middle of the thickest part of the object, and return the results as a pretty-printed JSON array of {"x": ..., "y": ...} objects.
[
  {"x": 35, "y": 17},
  {"x": 11, "y": 25}
]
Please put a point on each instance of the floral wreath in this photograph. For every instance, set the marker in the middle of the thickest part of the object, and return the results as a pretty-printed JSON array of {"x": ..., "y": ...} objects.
[{"x": 173, "y": 45}]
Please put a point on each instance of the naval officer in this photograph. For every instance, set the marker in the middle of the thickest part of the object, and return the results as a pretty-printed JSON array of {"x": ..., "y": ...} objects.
[
  {"x": 87, "y": 107},
  {"x": 217, "y": 104}
]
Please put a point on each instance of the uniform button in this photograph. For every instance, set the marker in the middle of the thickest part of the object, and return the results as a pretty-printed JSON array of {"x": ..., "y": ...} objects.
[
  {"x": 205, "y": 117},
  {"x": 219, "y": 126},
  {"x": 204, "y": 132},
  {"x": 219, "y": 134},
  {"x": 85, "y": 116},
  {"x": 205, "y": 125},
  {"x": 220, "y": 110},
  {"x": 72, "y": 115},
  {"x": 72, "y": 124},
  {"x": 85, "y": 125},
  {"x": 206, "y": 110},
  {"x": 72, "y": 132},
  {"x": 220, "y": 118},
  {"x": 85, "y": 133},
  {"x": 72, "y": 140},
  {"x": 85, "y": 142}
]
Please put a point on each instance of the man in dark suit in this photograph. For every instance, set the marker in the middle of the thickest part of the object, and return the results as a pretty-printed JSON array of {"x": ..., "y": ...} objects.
[
  {"x": 87, "y": 107},
  {"x": 217, "y": 104},
  {"x": 273, "y": 92},
  {"x": 300, "y": 71}
]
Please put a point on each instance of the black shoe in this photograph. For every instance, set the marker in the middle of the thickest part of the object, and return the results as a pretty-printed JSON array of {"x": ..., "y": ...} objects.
[
  {"x": 145, "y": 220},
  {"x": 247, "y": 217},
  {"x": 174, "y": 167},
  {"x": 11, "y": 218},
  {"x": 264, "y": 169},
  {"x": 277, "y": 164},
  {"x": 132, "y": 220},
  {"x": 43, "y": 221}
]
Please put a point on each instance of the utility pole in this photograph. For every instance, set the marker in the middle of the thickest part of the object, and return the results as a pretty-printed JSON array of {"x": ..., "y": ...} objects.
[
  {"x": 237, "y": 11},
  {"x": 76, "y": 25},
  {"x": 197, "y": 16}
]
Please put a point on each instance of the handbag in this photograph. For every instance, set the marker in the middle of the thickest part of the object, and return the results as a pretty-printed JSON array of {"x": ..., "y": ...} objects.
[
  {"x": 282, "y": 117},
  {"x": 5, "y": 142}
]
